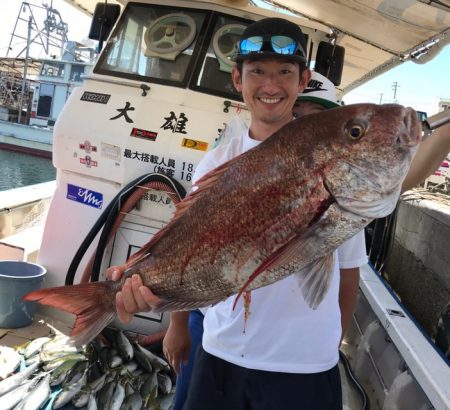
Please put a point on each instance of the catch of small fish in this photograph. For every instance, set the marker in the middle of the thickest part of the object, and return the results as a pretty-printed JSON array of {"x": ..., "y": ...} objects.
[
  {"x": 282, "y": 207},
  {"x": 122, "y": 376}
]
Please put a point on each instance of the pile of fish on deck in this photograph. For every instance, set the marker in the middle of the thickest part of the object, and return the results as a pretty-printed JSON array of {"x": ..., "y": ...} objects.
[{"x": 56, "y": 375}]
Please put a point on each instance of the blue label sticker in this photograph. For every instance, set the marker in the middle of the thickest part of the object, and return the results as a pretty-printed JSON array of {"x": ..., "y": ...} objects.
[{"x": 85, "y": 196}]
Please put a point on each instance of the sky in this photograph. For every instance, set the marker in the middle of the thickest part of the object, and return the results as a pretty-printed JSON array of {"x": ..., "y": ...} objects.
[
  {"x": 78, "y": 22},
  {"x": 419, "y": 85}
]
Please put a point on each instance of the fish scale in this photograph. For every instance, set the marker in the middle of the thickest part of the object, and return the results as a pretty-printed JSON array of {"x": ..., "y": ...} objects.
[{"x": 280, "y": 208}]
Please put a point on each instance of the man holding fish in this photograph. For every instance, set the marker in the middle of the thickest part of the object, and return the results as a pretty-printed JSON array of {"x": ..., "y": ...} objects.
[
  {"x": 180, "y": 343},
  {"x": 286, "y": 355},
  {"x": 283, "y": 204}
]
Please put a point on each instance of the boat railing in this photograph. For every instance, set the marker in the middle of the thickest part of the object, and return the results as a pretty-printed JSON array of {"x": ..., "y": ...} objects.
[{"x": 22, "y": 217}]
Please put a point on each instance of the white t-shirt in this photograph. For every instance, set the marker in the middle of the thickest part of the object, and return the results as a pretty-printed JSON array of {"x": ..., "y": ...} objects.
[{"x": 282, "y": 333}]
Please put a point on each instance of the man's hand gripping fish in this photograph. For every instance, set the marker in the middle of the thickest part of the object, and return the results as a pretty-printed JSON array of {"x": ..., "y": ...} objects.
[{"x": 281, "y": 208}]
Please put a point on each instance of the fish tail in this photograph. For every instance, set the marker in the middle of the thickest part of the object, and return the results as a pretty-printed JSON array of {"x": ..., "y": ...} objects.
[{"x": 92, "y": 303}]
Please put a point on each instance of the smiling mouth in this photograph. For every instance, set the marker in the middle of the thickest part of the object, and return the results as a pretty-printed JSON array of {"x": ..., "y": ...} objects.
[{"x": 271, "y": 100}]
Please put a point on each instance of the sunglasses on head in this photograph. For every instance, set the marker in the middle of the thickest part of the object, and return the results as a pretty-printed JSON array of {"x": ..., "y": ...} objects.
[{"x": 283, "y": 45}]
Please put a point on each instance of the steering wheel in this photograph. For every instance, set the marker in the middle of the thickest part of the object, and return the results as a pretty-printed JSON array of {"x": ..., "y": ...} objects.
[
  {"x": 169, "y": 35},
  {"x": 225, "y": 44}
]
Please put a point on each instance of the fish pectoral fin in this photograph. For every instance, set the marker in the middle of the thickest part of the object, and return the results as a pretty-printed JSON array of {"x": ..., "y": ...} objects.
[
  {"x": 281, "y": 257},
  {"x": 315, "y": 279}
]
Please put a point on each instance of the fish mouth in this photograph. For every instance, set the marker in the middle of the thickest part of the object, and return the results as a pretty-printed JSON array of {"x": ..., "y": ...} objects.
[{"x": 412, "y": 135}]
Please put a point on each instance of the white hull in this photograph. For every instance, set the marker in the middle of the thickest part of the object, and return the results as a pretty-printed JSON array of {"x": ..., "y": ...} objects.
[{"x": 27, "y": 137}]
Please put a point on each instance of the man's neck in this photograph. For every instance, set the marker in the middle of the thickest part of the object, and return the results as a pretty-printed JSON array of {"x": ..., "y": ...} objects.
[{"x": 260, "y": 131}]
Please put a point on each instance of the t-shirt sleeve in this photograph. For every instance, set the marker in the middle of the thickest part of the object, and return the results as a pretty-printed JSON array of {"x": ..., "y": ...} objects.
[
  {"x": 217, "y": 156},
  {"x": 352, "y": 253},
  {"x": 223, "y": 152},
  {"x": 203, "y": 167}
]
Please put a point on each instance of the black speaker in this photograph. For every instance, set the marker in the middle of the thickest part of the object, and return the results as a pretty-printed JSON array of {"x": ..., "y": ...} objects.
[
  {"x": 103, "y": 20},
  {"x": 330, "y": 61}
]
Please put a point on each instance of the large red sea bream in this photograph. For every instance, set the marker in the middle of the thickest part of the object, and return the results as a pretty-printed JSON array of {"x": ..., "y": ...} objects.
[{"x": 280, "y": 208}]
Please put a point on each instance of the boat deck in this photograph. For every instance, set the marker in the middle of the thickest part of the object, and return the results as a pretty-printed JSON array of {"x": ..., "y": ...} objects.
[
  {"x": 44, "y": 326},
  {"x": 39, "y": 328}
]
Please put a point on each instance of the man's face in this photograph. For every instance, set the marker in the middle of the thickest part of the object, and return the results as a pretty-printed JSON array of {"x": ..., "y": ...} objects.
[{"x": 269, "y": 88}]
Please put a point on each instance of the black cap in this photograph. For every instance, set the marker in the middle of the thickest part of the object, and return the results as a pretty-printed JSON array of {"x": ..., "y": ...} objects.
[{"x": 275, "y": 27}]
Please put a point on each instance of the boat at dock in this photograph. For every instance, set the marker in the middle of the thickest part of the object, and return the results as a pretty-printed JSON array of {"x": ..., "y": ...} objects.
[
  {"x": 160, "y": 96},
  {"x": 33, "y": 90}
]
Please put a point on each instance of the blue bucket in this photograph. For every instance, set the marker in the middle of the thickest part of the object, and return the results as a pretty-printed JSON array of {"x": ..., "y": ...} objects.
[{"x": 18, "y": 278}]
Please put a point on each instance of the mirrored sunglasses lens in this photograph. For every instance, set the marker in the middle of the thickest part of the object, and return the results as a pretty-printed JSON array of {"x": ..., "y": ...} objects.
[
  {"x": 251, "y": 45},
  {"x": 283, "y": 45}
]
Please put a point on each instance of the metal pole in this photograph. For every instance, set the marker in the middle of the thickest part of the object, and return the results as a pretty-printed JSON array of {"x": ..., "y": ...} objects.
[
  {"x": 25, "y": 70},
  {"x": 48, "y": 25},
  {"x": 394, "y": 88},
  {"x": 15, "y": 26}
]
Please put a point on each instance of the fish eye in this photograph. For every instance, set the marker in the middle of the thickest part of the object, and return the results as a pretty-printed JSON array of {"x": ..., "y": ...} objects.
[{"x": 355, "y": 131}]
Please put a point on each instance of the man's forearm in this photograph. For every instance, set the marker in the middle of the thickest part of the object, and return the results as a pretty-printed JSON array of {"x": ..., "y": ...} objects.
[
  {"x": 430, "y": 154},
  {"x": 348, "y": 292},
  {"x": 179, "y": 318}
]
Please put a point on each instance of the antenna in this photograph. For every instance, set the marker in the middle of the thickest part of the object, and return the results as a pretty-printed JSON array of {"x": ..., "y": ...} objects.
[
  {"x": 53, "y": 33},
  {"x": 395, "y": 85}
]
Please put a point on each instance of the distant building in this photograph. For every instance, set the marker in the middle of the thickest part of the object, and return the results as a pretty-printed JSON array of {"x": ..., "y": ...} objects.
[
  {"x": 54, "y": 84},
  {"x": 444, "y": 104}
]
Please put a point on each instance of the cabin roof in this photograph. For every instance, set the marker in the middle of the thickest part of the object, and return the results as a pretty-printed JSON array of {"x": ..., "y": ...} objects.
[{"x": 377, "y": 35}]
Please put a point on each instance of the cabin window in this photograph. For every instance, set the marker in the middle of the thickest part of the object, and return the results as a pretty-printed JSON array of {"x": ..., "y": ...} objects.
[
  {"x": 52, "y": 69},
  {"x": 154, "y": 43},
  {"x": 44, "y": 107},
  {"x": 213, "y": 75},
  {"x": 76, "y": 71},
  {"x": 174, "y": 46}
]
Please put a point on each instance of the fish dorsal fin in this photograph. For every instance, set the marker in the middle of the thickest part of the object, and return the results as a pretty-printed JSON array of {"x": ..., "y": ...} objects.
[
  {"x": 203, "y": 185},
  {"x": 315, "y": 277}
]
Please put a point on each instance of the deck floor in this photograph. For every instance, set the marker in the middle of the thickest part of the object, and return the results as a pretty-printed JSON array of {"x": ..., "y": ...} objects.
[{"x": 40, "y": 327}]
